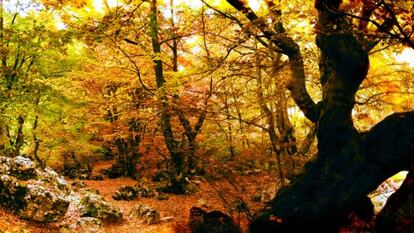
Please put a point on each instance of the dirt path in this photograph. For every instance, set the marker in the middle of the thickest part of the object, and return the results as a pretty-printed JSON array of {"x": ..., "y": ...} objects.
[{"x": 215, "y": 195}]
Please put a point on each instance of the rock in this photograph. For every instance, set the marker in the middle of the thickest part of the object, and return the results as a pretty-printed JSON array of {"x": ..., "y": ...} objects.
[
  {"x": 90, "y": 225},
  {"x": 22, "y": 168},
  {"x": 84, "y": 225},
  {"x": 93, "y": 205},
  {"x": 113, "y": 172},
  {"x": 198, "y": 182},
  {"x": 38, "y": 200},
  {"x": 34, "y": 201},
  {"x": 78, "y": 184},
  {"x": 43, "y": 204},
  {"x": 12, "y": 192},
  {"x": 125, "y": 193},
  {"x": 160, "y": 176},
  {"x": 4, "y": 165},
  {"x": 144, "y": 191},
  {"x": 96, "y": 177},
  {"x": 146, "y": 214},
  {"x": 191, "y": 188},
  {"x": 133, "y": 192},
  {"x": 50, "y": 177},
  {"x": 44, "y": 196},
  {"x": 211, "y": 222}
]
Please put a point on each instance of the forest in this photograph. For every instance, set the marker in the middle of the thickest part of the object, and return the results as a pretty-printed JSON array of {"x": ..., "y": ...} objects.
[{"x": 207, "y": 116}]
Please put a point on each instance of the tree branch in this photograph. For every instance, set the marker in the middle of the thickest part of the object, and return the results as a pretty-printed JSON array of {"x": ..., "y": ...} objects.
[{"x": 290, "y": 48}]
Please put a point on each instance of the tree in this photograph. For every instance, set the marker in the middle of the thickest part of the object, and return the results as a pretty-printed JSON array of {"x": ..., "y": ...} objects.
[
  {"x": 34, "y": 55},
  {"x": 181, "y": 160},
  {"x": 350, "y": 164},
  {"x": 138, "y": 35}
]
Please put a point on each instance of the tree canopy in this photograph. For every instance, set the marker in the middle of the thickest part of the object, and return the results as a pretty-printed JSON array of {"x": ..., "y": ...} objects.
[{"x": 179, "y": 85}]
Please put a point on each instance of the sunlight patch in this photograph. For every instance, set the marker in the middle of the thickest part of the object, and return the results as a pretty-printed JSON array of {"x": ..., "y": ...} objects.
[
  {"x": 59, "y": 24},
  {"x": 406, "y": 56},
  {"x": 97, "y": 4},
  {"x": 254, "y": 4},
  {"x": 380, "y": 196}
]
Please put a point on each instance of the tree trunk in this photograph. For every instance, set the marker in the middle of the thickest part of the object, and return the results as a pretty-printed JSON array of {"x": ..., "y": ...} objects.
[
  {"x": 127, "y": 158},
  {"x": 19, "y": 140},
  {"x": 287, "y": 139},
  {"x": 349, "y": 164},
  {"x": 270, "y": 118},
  {"x": 36, "y": 140},
  {"x": 176, "y": 176},
  {"x": 229, "y": 131}
]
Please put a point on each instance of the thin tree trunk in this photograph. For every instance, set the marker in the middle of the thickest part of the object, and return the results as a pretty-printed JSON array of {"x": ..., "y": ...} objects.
[
  {"x": 36, "y": 141},
  {"x": 19, "y": 140},
  {"x": 245, "y": 141},
  {"x": 285, "y": 128},
  {"x": 270, "y": 119},
  {"x": 229, "y": 135}
]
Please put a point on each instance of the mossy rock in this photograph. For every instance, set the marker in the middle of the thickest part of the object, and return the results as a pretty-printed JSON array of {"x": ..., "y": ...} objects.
[
  {"x": 125, "y": 193},
  {"x": 133, "y": 192},
  {"x": 144, "y": 191},
  {"x": 50, "y": 177},
  {"x": 146, "y": 214},
  {"x": 95, "y": 206},
  {"x": 44, "y": 204}
]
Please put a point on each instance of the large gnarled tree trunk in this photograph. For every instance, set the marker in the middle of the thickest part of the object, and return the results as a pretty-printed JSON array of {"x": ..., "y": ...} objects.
[{"x": 350, "y": 164}]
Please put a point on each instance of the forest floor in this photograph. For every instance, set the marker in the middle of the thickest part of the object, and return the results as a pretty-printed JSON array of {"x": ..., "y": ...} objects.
[{"x": 212, "y": 195}]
